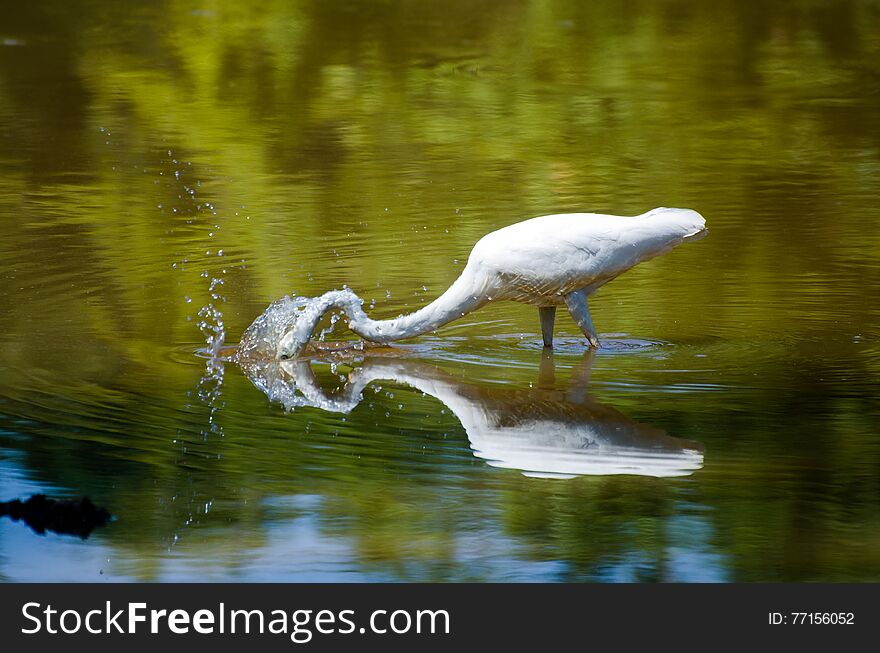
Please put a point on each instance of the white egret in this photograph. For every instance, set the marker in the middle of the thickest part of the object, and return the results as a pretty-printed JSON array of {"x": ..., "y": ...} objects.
[{"x": 549, "y": 261}]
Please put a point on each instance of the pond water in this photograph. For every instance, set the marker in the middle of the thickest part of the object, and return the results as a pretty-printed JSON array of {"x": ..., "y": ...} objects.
[{"x": 167, "y": 171}]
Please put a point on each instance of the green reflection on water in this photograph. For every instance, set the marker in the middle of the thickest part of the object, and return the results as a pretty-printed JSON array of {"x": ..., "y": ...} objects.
[{"x": 372, "y": 144}]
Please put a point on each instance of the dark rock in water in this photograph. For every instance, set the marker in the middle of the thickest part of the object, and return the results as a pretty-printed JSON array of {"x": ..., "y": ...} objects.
[{"x": 66, "y": 516}]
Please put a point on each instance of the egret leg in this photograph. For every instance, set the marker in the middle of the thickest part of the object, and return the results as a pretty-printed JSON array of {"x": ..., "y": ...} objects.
[
  {"x": 580, "y": 311},
  {"x": 548, "y": 317},
  {"x": 547, "y": 370},
  {"x": 578, "y": 391}
]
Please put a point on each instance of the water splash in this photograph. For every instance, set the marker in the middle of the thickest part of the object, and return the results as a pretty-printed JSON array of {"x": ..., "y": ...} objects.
[
  {"x": 185, "y": 205},
  {"x": 192, "y": 501},
  {"x": 292, "y": 385},
  {"x": 287, "y": 325},
  {"x": 261, "y": 338},
  {"x": 212, "y": 327},
  {"x": 334, "y": 318},
  {"x": 210, "y": 391},
  {"x": 182, "y": 184}
]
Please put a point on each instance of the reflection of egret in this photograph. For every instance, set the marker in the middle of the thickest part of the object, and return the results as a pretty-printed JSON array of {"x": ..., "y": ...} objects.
[
  {"x": 549, "y": 261},
  {"x": 541, "y": 431}
]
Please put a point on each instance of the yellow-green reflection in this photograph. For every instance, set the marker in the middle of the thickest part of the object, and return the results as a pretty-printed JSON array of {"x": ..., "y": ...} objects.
[{"x": 371, "y": 144}]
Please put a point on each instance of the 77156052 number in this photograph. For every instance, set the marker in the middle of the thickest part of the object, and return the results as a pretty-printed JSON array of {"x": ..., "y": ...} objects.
[{"x": 812, "y": 618}]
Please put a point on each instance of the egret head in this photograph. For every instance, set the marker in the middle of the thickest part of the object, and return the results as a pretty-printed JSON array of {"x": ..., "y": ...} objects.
[
  {"x": 278, "y": 331},
  {"x": 290, "y": 345}
]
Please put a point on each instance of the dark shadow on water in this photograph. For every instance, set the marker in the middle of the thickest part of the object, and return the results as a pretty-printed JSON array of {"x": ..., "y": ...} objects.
[
  {"x": 63, "y": 516},
  {"x": 543, "y": 431}
]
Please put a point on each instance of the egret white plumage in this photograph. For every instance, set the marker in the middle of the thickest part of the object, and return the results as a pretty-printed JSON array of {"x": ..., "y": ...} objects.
[{"x": 548, "y": 261}]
